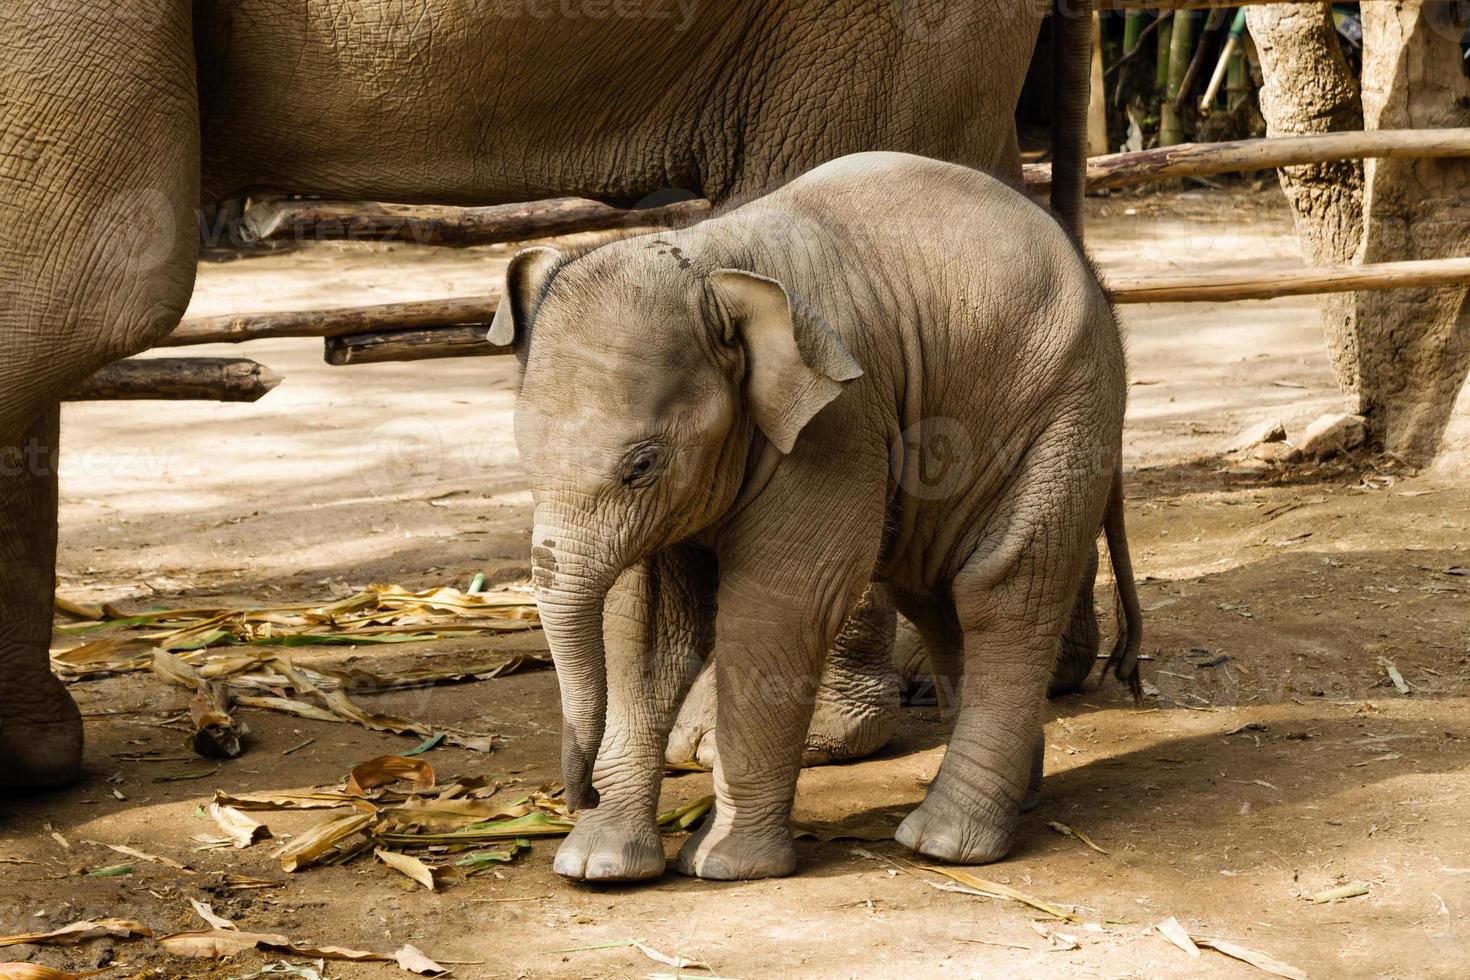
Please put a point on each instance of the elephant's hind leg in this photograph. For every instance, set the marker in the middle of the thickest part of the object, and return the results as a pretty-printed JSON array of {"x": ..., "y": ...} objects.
[
  {"x": 1013, "y": 601},
  {"x": 856, "y": 712},
  {"x": 857, "y": 700},
  {"x": 99, "y": 176}
]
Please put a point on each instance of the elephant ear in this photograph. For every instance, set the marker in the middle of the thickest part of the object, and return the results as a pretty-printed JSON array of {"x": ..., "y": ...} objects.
[
  {"x": 526, "y": 280},
  {"x": 794, "y": 362}
]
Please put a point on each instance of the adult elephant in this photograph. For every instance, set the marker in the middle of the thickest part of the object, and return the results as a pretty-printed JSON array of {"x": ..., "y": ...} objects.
[{"x": 119, "y": 120}]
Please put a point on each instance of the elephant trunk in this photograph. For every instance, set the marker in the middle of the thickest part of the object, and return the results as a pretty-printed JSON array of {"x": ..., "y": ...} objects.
[{"x": 571, "y": 587}]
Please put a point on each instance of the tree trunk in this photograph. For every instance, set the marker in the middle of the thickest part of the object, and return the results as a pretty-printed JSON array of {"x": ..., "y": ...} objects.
[
  {"x": 1402, "y": 354},
  {"x": 1309, "y": 88},
  {"x": 1414, "y": 344}
]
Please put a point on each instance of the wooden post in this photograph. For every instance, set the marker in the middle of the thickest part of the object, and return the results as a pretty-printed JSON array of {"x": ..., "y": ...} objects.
[{"x": 219, "y": 379}]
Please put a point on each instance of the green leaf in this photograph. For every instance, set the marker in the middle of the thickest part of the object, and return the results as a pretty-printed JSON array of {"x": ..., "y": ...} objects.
[
  {"x": 116, "y": 871},
  {"x": 432, "y": 742}
]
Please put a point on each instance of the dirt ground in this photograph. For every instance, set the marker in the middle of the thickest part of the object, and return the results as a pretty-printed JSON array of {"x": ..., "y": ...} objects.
[{"x": 1272, "y": 760}]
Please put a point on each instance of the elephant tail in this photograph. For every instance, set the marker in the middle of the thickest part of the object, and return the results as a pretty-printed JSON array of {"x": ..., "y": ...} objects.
[
  {"x": 1123, "y": 660},
  {"x": 1071, "y": 64}
]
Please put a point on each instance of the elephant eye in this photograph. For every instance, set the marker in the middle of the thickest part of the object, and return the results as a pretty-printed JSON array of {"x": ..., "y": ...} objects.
[{"x": 642, "y": 467}]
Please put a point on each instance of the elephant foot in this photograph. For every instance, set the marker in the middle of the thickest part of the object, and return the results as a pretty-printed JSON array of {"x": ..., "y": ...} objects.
[
  {"x": 855, "y": 715},
  {"x": 851, "y": 727},
  {"x": 957, "y": 834},
  {"x": 40, "y": 740},
  {"x": 610, "y": 846},
  {"x": 692, "y": 739},
  {"x": 724, "y": 854}
]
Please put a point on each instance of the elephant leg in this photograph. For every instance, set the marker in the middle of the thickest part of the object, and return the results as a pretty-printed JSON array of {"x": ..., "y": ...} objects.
[
  {"x": 856, "y": 710},
  {"x": 659, "y": 623},
  {"x": 771, "y": 633},
  {"x": 692, "y": 739},
  {"x": 1012, "y": 602},
  {"x": 941, "y": 640},
  {"x": 857, "y": 702},
  {"x": 40, "y": 727},
  {"x": 1080, "y": 642},
  {"x": 99, "y": 179}
]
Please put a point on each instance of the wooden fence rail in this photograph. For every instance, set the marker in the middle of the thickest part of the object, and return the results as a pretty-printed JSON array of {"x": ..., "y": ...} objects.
[
  {"x": 1205, "y": 159},
  {"x": 1288, "y": 282},
  {"x": 278, "y": 220}
]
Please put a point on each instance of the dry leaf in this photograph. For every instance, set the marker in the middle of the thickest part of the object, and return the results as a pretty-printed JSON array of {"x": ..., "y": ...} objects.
[
  {"x": 144, "y": 856},
  {"x": 207, "y": 913},
  {"x": 1256, "y": 959},
  {"x": 1171, "y": 930},
  {"x": 388, "y": 769},
  {"x": 411, "y": 866},
  {"x": 218, "y": 943},
  {"x": 333, "y": 952},
  {"x": 316, "y": 842},
  {"x": 78, "y": 932},
  {"x": 221, "y": 943},
  {"x": 304, "y": 800},
  {"x": 30, "y": 971},
  {"x": 1066, "y": 831},
  {"x": 413, "y": 960},
  {"x": 240, "y": 829},
  {"x": 677, "y": 962},
  {"x": 994, "y": 889}
]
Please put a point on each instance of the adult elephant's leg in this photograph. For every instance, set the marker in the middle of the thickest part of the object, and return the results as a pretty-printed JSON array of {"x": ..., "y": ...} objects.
[
  {"x": 99, "y": 175},
  {"x": 857, "y": 699},
  {"x": 40, "y": 727},
  {"x": 659, "y": 627}
]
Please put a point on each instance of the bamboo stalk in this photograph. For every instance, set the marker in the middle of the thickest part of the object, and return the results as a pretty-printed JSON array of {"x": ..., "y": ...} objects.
[
  {"x": 461, "y": 311},
  {"x": 410, "y": 345},
  {"x": 1117, "y": 5},
  {"x": 1203, "y": 159},
  {"x": 219, "y": 379},
  {"x": 274, "y": 219},
  {"x": 1289, "y": 282}
]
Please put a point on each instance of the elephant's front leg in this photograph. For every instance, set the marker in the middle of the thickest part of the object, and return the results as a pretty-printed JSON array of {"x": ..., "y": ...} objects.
[
  {"x": 659, "y": 623},
  {"x": 40, "y": 728},
  {"x": 772, "y": 633}
]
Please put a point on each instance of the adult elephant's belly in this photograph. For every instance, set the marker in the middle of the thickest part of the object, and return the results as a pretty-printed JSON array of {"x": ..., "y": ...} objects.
[
  {"x": 508, "y": 100},
  {"x": 437, "y": 100}
]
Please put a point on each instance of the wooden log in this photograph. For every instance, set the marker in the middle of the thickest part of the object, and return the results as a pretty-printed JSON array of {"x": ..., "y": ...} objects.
[
  {"x": 1203, "y": 159},
  {"x": 359, "y": 221},
  {"x": 1289, "y": 282},
  {"x": 218, "y": 379},
  {"x": 461, "y": 311},
  {"x": 410, "y": 345}
]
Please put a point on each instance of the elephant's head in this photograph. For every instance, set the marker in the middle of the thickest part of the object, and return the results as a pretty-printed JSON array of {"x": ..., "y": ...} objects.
[{"x": 651, "y": 382}]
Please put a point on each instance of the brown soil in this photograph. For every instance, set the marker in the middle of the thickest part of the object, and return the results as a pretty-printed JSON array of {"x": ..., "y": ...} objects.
[{"x": 1274, "y": 762}]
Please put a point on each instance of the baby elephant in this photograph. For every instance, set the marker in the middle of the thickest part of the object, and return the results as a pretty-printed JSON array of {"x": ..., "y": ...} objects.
[{"x": 891, "y": 368}]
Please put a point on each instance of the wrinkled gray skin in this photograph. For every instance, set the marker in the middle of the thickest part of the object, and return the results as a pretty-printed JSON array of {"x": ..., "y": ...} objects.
[
  {"x": 731, "y": 429},
  {"x": 119, "y": 119}
]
